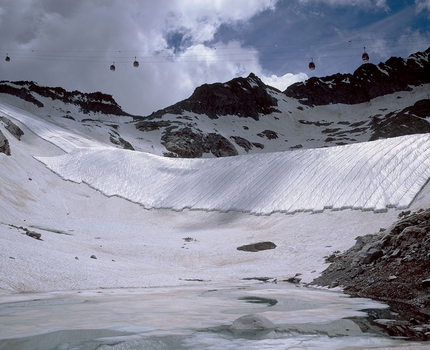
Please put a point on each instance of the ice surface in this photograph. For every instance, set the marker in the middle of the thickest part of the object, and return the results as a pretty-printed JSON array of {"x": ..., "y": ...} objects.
[
  {"x": 369, "y": 176},
  {"x": 193, "y": 317}
]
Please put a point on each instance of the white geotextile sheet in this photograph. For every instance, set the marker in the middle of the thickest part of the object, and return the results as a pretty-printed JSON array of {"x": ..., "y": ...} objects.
[{"x": 368, "y": 176}]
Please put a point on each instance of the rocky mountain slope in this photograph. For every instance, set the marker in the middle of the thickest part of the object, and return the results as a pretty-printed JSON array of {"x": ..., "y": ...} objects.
[
  {"x": 95, "y": 102},
  {"x": 246, "y": 116},
  {"x": 366, "y": 83},
  {"x": 392, "y": 266}
]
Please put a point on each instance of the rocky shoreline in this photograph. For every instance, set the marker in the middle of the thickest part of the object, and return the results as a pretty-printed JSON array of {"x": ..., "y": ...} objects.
[{"x": 392, "y": 266}]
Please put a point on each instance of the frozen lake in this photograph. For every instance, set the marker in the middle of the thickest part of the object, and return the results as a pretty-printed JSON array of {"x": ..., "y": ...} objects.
[{"x": 186, "y": 317}]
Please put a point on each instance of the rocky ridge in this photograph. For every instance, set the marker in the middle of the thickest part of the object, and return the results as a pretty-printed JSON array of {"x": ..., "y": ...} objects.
[
  {"x": 95, "y": 102},
  {"x": 366, "y": 83},
  {"x": 392, "y": 266}
]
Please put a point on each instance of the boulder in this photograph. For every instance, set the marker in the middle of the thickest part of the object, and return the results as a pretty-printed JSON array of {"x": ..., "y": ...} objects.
[
  {"x": 256, "y": 247},
  {"x": 372, "y": 255}
]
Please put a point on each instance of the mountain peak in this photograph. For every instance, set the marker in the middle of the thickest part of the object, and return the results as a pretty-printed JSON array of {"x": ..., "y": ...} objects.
[
  {"x": 243, "y": 97},
  {"x": 366, "y": 83}
]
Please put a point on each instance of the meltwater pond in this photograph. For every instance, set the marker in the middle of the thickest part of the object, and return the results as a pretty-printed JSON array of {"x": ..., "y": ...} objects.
[{"x": 187, "y": 317}]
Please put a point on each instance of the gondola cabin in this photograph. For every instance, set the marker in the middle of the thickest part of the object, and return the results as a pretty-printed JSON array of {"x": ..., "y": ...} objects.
[{"x": 365, "y": 56}]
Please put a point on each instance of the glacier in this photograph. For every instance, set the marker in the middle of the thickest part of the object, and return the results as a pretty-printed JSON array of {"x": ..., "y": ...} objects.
[
  {"x": 377, "y": 175},
  {"x": 188, "y": 256},
  {"x": 368, "y": 176}
]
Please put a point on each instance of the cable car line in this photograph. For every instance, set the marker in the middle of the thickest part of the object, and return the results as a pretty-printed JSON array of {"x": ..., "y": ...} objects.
[
  {"x": 45, "y": 54},
  {"x": 166, "y": 56}
]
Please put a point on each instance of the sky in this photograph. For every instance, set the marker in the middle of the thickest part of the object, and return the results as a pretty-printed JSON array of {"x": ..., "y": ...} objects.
[{"x": 182, "y": 44}]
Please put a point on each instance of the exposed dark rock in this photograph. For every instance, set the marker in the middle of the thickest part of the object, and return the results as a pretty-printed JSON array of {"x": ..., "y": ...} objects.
[
  {"x": 296, "y": 279},
  {"x": 20, "y": 92},
  {"x": 151, "y": 125},
  {"x": 258, "y": 145},
  {"x": 12, "y": 128},
  {"x": 116, "y": 140},
  {"x": 28, "y": 232},
  {"x": 184, "y": 142},
  {"x": 95, "y": 102},
  {"x": 426, "y": 283},
  {"x": 189, "y": 143},
  {"x": 269, "y": 134},
  {"x": 193, "y": 280},
  {"x": 34, "y": 235},
  {"x": 391, "y": 266},
  {"x": 4, "y": 145},
  {"x": 367, "y": 82},
  {"x": 317, "y": 123},
  {"x": 219, "y": 146},
  {"x": 243, "y": 97},
  {"x": 256, "y": 247},
  {"x": 409, "y": 121},
  {"x": 88, "y": 120},
  {"x": 170, "y": 155},
  {"x": 330, "y": 131},
  {"x": 372, "y": 255},
  {"x": 261, "y": 279},
  {"x": 242, "y": 142}
]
